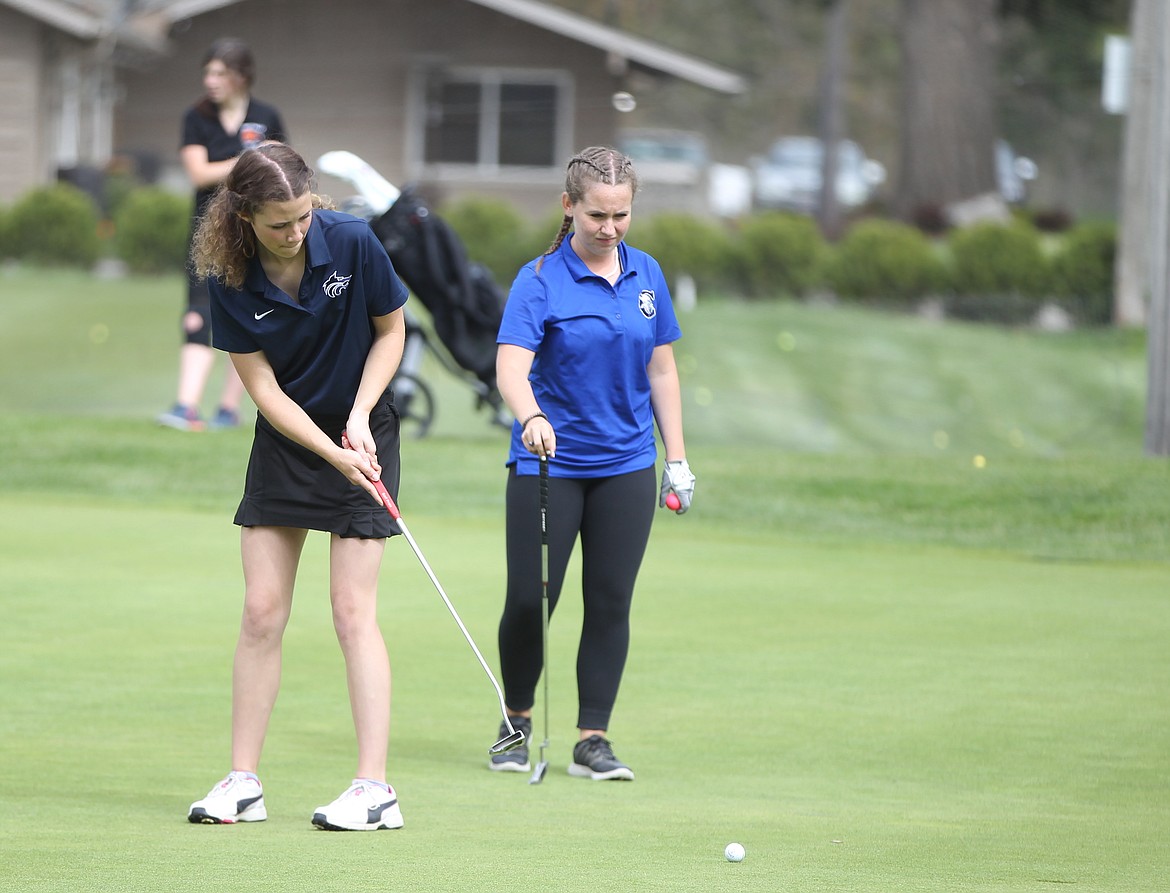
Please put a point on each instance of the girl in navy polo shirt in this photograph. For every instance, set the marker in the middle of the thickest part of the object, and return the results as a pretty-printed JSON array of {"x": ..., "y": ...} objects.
[
  {"x": 307, "y": 304},
  {"x": 585, "y": 364}
]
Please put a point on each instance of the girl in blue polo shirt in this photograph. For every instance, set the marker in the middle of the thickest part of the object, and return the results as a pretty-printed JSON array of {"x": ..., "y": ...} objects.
[
  {"x": 307, "y": 304},
  {"x": 585, "y": 364}
]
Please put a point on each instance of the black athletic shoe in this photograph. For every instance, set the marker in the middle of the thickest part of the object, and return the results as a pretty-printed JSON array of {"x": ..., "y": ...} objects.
[
  {"x": 593, "y": 758},
  {"x": 516, "y": 759}
]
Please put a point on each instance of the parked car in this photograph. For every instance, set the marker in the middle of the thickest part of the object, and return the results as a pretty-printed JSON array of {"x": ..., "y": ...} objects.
[
  {"x": 676, "y": 169},
  {"x": 789, "y": 177},
  {"x": 664, "y": 155}
]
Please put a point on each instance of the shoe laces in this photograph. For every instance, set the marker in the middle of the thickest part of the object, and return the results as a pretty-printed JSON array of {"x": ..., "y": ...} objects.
[
  {"x": 231, "y": 782},
  {"x": 596, "y": 746},
  {"x": 373, "y": 793}
]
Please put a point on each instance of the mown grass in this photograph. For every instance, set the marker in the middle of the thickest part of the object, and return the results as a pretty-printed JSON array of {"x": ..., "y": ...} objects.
[{"x": 878, "y": 664}]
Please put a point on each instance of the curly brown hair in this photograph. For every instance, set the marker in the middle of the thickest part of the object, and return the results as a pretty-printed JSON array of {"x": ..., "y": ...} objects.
[
  {"x": 597, "y": 164},
  {"x": 224, "y": 241}
]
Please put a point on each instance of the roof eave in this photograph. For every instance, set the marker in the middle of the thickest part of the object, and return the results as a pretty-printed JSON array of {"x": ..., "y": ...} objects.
[{"x": 620, "y": 44}]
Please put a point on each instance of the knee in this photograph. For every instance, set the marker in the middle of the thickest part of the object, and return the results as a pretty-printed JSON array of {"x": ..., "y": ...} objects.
[
  {"x": 352, "y": 617},
  {"x": 265, "y": 616},
  {"x": 196, "y": 327}
]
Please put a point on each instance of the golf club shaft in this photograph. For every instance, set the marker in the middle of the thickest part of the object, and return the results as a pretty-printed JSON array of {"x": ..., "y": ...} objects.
[
  {"x": 513, "y": 738},
  {"x": 388, "y": 501},
  {"x": 542, "y": 765},
  {"x": 544, "y": 606}
]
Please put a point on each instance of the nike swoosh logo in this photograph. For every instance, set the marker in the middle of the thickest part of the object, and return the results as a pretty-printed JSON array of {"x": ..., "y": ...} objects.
[{"x": 264, "y": 314}]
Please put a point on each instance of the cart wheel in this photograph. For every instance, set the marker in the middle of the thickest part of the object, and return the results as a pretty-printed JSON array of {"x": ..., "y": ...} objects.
[{"x": 415, "y": 403}]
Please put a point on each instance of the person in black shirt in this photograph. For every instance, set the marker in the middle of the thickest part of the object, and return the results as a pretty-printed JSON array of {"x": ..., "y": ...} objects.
[{"x": 216, "y": 129}]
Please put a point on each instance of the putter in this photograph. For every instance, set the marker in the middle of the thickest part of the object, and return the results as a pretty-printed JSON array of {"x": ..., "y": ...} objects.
[
  {"x": 542, "y": 766},
  {"x": 515, "y": 737}
]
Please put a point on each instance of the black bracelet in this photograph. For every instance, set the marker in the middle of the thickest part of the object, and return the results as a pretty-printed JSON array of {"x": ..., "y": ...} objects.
[{"x": 535, "y": 415}]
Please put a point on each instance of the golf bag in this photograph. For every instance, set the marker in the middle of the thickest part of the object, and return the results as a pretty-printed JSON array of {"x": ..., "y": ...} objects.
[{"x": 463, "y": 299}]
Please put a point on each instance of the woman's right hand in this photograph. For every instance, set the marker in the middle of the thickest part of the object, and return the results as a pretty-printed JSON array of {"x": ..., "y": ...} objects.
[{"x": 539, "y": 438}]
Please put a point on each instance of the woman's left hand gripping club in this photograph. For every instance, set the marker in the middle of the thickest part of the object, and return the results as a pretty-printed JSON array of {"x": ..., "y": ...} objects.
[{"x": 360, "y": 459}]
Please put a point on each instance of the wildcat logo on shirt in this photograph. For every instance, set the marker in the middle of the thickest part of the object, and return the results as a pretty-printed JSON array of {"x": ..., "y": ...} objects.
[
  {"x": 646, "y": 304},
  {"x": 336, "y": 284}
]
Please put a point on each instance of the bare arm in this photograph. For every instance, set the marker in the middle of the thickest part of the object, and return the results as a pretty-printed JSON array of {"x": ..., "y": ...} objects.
[
  {"x": 513, "y": 363},
  {"x": 381, "y": 364},
  {"x": 201, "y": 172},
  {"x": 666, "y": 400},
  {"x": 359, "y": 465}
]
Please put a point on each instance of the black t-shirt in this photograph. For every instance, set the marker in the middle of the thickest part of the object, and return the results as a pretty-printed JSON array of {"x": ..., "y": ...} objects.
[{"x": 201, "y": 130}]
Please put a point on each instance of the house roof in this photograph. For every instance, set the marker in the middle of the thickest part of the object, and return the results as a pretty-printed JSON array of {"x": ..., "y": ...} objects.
[
  {"x": 79, "y": 20},
  {"x": 90, "y": 19},
  {"x": 619, "y": 43}
]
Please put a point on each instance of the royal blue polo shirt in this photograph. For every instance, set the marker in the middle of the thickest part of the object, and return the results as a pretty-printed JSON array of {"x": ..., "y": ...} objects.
[
  {"x": 316, "y": 344},
  {"x": 592, "y": 342}
]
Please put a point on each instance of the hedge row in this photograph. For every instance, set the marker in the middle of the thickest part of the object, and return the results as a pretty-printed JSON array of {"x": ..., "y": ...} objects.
[
  {"x": 985, "y": 271},
  {"x": 61, "y": 225},
  {"x": 994, "y": 272}
]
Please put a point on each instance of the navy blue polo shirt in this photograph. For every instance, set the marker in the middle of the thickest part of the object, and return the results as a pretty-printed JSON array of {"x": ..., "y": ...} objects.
[
  {"x": 592, "y": 342},
  {"x": 316, "y": 344}
]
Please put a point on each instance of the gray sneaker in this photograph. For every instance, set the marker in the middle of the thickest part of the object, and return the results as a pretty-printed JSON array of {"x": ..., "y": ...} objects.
[
  {"x": 516, "y": 759},
  {"x": 593, "y": 758}
]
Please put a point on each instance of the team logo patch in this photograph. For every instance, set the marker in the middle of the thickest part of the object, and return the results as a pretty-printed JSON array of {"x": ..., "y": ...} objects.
[
  {"x": 336, "y": 284},
  {"x": 646, "y": 303}
]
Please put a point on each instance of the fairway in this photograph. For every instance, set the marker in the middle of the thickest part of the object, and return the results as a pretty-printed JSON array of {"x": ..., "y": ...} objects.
[{"x": 879, "y": 668}]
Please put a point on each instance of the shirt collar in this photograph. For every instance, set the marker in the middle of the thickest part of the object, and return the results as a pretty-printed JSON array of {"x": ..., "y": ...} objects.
[
  {"x": 316, "y": 248},
  {"x": 577, "y": 267}
]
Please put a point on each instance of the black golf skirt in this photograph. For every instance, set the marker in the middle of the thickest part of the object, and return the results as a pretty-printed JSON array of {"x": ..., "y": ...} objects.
[{"x": 290, "y": 486}]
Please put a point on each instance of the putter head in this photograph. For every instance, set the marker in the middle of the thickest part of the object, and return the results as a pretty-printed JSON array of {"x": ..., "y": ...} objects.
[
  {"x": 508, "y": 742},
  {"x": 538, "y": 772}
]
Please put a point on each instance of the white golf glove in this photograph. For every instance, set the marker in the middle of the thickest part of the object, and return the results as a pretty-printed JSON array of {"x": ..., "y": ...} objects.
[{"x": 677, "y": 476}]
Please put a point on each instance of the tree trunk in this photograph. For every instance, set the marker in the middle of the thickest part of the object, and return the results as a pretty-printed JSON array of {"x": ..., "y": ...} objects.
[
  {"x": 1131, "y": 287},
  {"x": 1158, "y": 186},
  {"x": 948, "y": 103},
  {"x": 832, "y": 115}
]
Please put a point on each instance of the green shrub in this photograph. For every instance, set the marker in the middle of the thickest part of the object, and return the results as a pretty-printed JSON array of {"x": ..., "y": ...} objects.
[
  {"x": 1083, "y": 272},
  {"x": 150, "y": 228},
  {"x": 998, "y": 273},
  {"x": 884, "y": 261},
  {"x": 778, "y": 254},
  {"x": 683, "y": 243},
  {"x": 492, "y": 232},
  {"x": 6, "y": 250},
  {"x": 55, "y": 226}
]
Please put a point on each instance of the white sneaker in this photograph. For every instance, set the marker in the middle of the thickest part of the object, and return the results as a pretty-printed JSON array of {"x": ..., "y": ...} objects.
[
  {"x": 363, "y": 807},
  {"x": 238, "y": 798}
]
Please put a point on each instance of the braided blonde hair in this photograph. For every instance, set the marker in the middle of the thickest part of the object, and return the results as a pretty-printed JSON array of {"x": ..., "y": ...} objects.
[{"x": 597, "y": 164}]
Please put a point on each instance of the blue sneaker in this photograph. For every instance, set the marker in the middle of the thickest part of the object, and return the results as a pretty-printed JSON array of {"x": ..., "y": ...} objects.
[
  {"x": 224, "y": 418},
  {"x": 182, "y": 418}
]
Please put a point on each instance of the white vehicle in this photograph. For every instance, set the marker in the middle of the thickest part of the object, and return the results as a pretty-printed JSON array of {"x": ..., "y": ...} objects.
[
  {"x": 788, "y": 178},
  {"x": 1013, "y": 172}
]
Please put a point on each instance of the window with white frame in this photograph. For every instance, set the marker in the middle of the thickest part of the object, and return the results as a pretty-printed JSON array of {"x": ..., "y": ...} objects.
[{"x": 495, "y": 117}]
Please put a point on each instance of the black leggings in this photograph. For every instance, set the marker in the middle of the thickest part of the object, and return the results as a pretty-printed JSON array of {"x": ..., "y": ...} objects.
[{"x": 613, "y": 517}]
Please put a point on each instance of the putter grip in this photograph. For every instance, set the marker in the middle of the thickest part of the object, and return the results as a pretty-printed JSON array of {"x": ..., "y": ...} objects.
[
  {"x": 387, "y": 500},
  {"x": 383, "y": 493},
  {"x": 544, "y": 500}
]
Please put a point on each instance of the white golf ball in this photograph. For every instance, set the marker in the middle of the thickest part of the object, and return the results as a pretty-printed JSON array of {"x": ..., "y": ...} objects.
[{"x": 735, "y": 852}]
